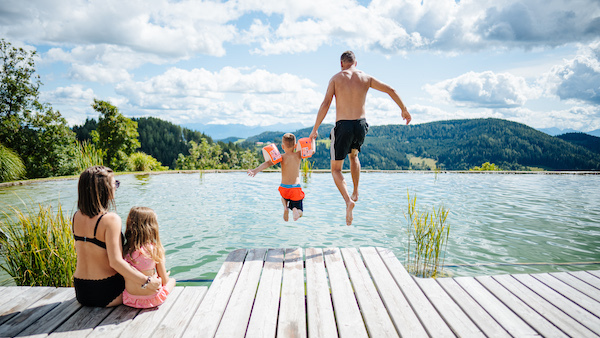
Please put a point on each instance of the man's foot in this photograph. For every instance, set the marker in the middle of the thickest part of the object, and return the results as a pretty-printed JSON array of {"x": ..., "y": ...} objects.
[
  {"x": 349, "y": 207},
  {"x": 286, "y": 214},
  {"x": 354, "y": 196},
  {"x": 297, "y": 214}
]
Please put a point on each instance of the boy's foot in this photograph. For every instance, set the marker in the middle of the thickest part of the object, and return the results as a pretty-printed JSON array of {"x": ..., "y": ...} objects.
[
  {"x": 354, "y": 196},
  {"x": 286, "y": 214},
  {"x": 349, "y": 207},
  {"x": 297, "y": 214}
]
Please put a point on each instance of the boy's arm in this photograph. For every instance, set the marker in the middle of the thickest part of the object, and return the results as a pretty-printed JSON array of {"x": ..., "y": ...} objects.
[
  {"x": 313, "y": 146},
  {"x": 263, "y": 166}
]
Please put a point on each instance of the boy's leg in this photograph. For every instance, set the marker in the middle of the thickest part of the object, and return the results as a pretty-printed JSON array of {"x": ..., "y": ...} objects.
[
  {"x": 285, "y": 210},
  {"x": 338, "y": 178},
  {"x": 355, "y": 171},
  {"x": 297, "y": 213}
]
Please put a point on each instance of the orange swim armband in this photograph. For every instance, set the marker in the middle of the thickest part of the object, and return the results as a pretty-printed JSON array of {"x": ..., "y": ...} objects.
[
  {"x": 304, "y": 146},
  {"x": 271, "y": 153}
]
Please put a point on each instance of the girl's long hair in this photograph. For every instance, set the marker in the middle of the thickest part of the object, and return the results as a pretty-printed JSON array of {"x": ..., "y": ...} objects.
[
  {"x": 95, "y": 191},
  {"x": 142, "y": 232}
]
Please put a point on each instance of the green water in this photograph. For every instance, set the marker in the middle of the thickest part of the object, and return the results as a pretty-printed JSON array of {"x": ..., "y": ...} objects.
[{"x": 493, "y": 218}]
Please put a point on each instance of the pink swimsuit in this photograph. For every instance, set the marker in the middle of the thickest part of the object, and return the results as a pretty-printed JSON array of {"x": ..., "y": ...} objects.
[{"x": 143, "y": 262}]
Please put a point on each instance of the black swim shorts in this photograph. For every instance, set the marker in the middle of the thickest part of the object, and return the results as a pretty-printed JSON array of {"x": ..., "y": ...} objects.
[{"x": 347, "y": 135}]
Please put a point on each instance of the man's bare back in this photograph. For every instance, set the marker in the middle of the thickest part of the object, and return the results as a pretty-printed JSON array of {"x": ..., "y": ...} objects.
[{"x": 350, "y": 90}]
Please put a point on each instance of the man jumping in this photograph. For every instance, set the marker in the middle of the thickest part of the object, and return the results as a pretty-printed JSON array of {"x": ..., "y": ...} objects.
[{"x": 350, "y": 87}]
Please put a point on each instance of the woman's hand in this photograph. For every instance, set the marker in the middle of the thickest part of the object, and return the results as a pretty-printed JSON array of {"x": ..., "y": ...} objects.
[{"x": 154, "y": 284}]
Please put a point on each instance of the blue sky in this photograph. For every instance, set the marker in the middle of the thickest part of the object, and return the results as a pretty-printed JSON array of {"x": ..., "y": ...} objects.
[{"x": 265, "y": 62}]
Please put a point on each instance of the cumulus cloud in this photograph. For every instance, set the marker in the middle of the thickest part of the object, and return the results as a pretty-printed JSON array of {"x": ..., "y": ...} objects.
[
  {"x": 486, "y": 89},
  {"x": 230, "y": 95},
  {"x": 578, "y": 78}
]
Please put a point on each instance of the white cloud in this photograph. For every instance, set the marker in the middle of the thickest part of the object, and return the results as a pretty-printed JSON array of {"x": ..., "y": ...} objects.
[
  {"x": 231, "y": 95},
  {"x": 577, "y": 79},
  {"x": 486, "y": 89}
]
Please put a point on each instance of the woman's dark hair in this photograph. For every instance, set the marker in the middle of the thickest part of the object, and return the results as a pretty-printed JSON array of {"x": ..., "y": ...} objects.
[{"x": 95, "y": 191}]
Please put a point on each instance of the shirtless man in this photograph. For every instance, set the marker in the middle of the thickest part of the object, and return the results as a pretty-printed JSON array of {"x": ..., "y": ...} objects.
[{"x": 350, "y": 87}]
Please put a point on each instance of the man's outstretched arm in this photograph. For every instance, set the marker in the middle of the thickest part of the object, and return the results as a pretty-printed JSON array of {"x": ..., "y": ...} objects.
[
  {"x": 382, "y": 87},
  {"x": 323, "y": 109}
]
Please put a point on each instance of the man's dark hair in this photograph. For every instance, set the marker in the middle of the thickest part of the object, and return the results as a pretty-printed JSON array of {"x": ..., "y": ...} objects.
[{"x": 348, "y": 57}]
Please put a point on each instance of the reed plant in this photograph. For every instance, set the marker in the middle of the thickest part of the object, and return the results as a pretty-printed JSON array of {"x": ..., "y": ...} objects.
[
  {"x": 11, "y": 165},
  {"x": 428, "y": 232},
  {"x": 37, "y": 248},
  {"x": 87, "y": 156}
]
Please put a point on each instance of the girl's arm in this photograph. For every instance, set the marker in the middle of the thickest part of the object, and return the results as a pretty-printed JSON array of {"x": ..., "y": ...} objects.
[
  {"x": 162, "y": 272},
  {"x": 263, "y": 166},
  {"x": 112, "y": 237}
]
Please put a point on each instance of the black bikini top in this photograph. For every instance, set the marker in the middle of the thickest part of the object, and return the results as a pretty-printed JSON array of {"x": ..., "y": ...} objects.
[{"x": 93, "y": 239}]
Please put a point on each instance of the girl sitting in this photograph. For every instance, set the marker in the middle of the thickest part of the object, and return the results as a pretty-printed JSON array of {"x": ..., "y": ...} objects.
[{"x": 144, "y": 252}]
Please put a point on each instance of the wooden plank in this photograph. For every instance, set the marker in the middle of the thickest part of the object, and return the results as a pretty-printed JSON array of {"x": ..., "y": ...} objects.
[
  {"x": 53, "y": 319},
  {"x": 564, "y": 322},
  {"x": 405, "y": 320},
  {"x": 349, "y": 320},
  {"x": 502, "y": 314},
  {"x": 22, "y": 300},
  {"x": 8, "y": 294},
  {"x": 377, "y": 319},
  {"x": 178, "y": 318},
  {"x": 319, "y": 308},
  {"x": 578, "y": 284},
  {"x": 430, "y": 318},
  {"x": 34, "y": 312},
  {"x": 82, "y": 322},
  {"x": 587, "y": 277},
  {"x": 478, "y": 315},
  {"x": 575, "y": 311},
  {"x": 521, "y": 309},
  {"x": 147, "y": 320},
  {"x": 206, "y": 320},
  {"x": 571, "y": 293},
  {"x": 292, "y": 313},
  {"x": 595, "y": 273},
  {"x": 459, "y": 322},
  {"x": 263, "y": 320},
  {"x": 237, "y": 315},
  {"x": 114, "y": 324}
]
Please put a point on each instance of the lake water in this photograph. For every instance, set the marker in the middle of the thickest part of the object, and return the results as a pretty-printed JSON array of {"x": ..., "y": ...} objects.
[{"x": 498, "y": 221}]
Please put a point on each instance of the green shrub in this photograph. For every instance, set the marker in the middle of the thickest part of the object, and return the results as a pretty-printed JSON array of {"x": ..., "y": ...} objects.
[
  {"x": 37, "y": 248},
  {"x": 487, "y": 166},
  {"x": 140, "y": 161},
  {"x": 11, "y": 165},
  {"x": 429, "y": 232}
]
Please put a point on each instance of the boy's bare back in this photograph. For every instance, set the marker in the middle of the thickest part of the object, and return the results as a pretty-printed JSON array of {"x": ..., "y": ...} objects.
[{"x": 290, "y": 167}]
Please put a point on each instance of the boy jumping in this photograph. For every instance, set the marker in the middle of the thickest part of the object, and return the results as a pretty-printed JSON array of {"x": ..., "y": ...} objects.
[{"x": 290, "y": 189}]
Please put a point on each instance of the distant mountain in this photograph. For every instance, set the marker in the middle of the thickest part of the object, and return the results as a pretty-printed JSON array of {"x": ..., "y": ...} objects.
[
  {"x": 223, "y": 131},
  {"x": 582, "y": 139},
  {"x": 594, "y": 132},
  {"x": 556, "y": 131},
  {"x": 457, "y": 145}
]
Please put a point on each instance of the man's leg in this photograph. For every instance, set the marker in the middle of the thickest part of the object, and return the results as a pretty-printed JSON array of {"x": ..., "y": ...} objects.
[
  {"x": 338, "y": 178},
  {"x": 355, "y": 171}
]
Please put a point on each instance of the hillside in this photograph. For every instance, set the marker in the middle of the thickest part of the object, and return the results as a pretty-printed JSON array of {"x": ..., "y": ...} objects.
[
  {"x": 589, "y": 142},
  {"x": 457, "y": 145}
]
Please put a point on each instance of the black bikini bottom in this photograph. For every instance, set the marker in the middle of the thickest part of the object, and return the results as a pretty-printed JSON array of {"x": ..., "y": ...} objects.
[{"x": 98, "y": 292}]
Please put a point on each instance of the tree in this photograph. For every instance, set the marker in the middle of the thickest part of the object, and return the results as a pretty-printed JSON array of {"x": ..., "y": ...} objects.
[
  {"x": 36, "y": 132},
  {"x": 116, "y": 135},
  {"x": 203, "y": 155}
]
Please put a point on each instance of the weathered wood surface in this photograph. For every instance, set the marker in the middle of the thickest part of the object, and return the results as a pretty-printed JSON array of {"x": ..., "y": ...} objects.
[{"x": 324, "y": 293}]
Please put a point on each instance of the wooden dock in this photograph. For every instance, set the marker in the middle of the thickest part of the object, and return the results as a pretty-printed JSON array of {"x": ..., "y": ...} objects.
[{"x": 333, "y": 292}]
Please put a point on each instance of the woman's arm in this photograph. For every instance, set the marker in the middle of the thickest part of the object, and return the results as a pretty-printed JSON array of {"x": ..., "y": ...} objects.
[{"x": 112, "y": 237}]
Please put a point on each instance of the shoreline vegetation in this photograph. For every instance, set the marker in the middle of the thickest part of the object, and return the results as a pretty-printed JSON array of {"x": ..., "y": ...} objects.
[{"x": 320, "y": 171}]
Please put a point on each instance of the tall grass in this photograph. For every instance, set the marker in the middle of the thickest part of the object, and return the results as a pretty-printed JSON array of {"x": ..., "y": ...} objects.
[
  {"x": 428, "y": 232},
  {"x": 87, "y": 156},
  {"x": 11, "y": 165},
  {"x": 37, "y": 248}
]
